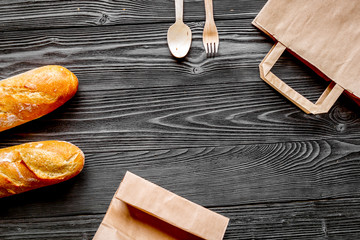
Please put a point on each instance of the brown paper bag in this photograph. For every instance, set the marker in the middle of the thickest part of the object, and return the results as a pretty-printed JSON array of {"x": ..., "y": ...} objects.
[
  {"x": 325, "y": 34},
  {"x": 141, "y": 210}
]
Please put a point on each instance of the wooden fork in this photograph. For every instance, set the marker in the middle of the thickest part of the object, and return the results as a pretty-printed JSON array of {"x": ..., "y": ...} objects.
[{"x": 210, "y": 34}]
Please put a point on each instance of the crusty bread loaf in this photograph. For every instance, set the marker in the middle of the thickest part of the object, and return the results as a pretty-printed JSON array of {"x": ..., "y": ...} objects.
[
  {"x": 33, "y": 94},
  {"x": 38, "y": 164}
]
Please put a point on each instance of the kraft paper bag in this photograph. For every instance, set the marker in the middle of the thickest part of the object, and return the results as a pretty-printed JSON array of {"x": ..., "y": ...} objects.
[
  {"x": 141, "y": 210},
  {"x": 325, "y": 34}
]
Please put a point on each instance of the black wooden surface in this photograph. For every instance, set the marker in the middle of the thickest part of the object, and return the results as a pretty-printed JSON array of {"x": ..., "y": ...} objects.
[{"x": 208, "y": 129}]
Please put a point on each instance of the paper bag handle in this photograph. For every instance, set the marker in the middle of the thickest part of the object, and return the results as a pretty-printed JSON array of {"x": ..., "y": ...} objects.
[{"x": 323, "y": 104}]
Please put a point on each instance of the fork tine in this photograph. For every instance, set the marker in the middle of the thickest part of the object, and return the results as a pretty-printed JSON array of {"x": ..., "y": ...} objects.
[
  {"x": 211, "y": 47},
  {"x": 210, "y": 51}
]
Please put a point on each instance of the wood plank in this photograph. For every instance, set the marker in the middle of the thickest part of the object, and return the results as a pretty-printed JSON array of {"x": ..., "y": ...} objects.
[
  {"x": 124, "y": 57},
  {"x": 330, "y": 219},
  {"x": 335, "y": 219},
  {"x": 209, "y": 176},
  {"x": 42, "y": 14},
  {"x": 176, "y": 117},
  {"x": 126, "y": 95}
]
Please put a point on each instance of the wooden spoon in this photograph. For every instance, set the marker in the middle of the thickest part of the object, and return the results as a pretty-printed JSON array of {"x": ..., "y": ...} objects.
[{"x": 179, "y": 34}]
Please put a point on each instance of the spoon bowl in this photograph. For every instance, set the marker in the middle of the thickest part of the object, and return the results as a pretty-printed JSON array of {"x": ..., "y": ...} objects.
[{"x": 179, "y": 39}]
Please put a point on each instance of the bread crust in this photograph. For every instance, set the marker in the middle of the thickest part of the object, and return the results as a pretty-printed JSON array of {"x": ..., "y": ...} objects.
[
  {"x": 33, "y": 94},
  {"x": 37, "y": 164}
]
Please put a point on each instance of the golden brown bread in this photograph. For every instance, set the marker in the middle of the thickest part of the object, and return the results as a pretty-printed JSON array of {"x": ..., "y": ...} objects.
[
  {"x": 33, "y": 94},
  {"x": 38, "y": 164}
]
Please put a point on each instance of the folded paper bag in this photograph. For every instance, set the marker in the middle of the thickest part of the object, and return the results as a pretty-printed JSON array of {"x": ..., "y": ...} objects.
[{"x": 142, "y": 210}]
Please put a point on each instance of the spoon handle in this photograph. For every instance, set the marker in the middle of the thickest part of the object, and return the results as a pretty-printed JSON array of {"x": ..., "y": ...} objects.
[
  {"x": 179, "y": 8},
  {"x": 209, "y": 10}
]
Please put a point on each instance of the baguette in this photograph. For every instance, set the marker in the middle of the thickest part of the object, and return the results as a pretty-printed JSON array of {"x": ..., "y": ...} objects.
[
  {"x": 33, "y": 165},
  {"x": 33, "y": 94}
]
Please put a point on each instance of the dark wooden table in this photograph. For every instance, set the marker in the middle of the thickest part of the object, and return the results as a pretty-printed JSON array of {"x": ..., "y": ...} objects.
[{"x": 208, "y": 129}]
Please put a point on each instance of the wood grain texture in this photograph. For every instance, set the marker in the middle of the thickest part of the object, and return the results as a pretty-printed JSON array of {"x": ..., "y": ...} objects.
[
  {"x": 45, "y": 14},
  {"x": 209, "y": 176},
  {"x": 117, "y": 56},
  {"x": 176, "y": 117},
  {"x": 331, "y": 219},
  {"x": 297, "y": 220}
]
